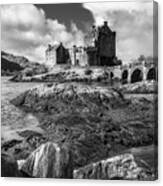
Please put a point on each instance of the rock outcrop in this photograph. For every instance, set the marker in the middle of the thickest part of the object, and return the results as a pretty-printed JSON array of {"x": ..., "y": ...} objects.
[
  {"x": 65, "y": 97},
  {"x": 97, "y": 122},
  {"x": 48, "y": 161},
  {"x": 121, "y": 167},
  {"x": 53, "y": 161}
]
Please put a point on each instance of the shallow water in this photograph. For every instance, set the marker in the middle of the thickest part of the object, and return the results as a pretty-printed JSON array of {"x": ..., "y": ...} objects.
[
  {"x": 9, "y": 89},
  {"x": 12, "y": 118}
]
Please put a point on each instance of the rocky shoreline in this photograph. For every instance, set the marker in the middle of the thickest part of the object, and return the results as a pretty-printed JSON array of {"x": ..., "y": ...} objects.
[
  {"x": 53, "y": 161},
  {"x": 91, "y": 75},
  {"x": 67, "y": 74},
  {"x": 94, "y": 123}
]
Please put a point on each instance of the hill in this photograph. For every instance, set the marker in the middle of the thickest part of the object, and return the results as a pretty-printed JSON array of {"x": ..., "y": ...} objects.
[
  {"x": 9, "y": 68},
  {"x": 11, "y": 65}
]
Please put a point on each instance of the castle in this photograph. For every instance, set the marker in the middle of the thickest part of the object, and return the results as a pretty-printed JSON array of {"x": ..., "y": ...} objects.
[{"x": 100, "y": 50}]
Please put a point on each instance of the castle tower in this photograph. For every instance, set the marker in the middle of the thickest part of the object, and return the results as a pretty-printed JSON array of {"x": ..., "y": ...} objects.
[
  {"x": 102, "y": 49},
  {"x": 106, "y": 45}
]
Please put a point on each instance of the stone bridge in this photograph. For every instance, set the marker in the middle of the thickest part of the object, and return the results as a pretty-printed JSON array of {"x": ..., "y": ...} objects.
[{"x": 136, "y": 71}]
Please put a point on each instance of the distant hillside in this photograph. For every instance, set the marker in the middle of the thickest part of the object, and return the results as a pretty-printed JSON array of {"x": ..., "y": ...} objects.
[
  {"x": 9, "y": 68},
  {"x": 11, "y": 65},
  {"x": 22, "y": 61}
]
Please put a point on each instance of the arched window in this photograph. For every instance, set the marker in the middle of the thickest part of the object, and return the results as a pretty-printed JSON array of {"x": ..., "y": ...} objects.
[
  {"x": 136, "y": 76},
  {"x": 151, "y": 75}
]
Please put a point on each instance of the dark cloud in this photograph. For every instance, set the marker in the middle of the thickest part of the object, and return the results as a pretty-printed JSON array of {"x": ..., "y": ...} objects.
[{"x": 67, "y": 13}]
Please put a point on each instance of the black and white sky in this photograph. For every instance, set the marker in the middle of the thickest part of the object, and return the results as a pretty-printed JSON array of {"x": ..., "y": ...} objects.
[{"x": 26, "y": 29}]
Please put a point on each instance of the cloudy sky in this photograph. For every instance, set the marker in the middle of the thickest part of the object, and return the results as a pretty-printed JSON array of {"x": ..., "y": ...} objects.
[{"x": 27, "y": 29}]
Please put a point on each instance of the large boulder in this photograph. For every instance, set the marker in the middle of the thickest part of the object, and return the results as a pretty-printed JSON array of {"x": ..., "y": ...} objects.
[
  {"x": 122, "y": 167},
  {"x": 48, "y": 161}
]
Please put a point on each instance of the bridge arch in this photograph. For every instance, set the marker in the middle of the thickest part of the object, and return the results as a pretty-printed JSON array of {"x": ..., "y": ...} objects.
[
  {"x": 151, "y": 75},
  {"x": 137, "y": 75},
  {"x": 124, "y": 76}
]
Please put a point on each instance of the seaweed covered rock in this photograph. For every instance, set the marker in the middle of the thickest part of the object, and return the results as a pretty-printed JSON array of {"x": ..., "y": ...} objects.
[
  {"x": 123, "y": 167},
  {"x": 56, "y": 98},
  {"x": 97, "y": 122}
]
